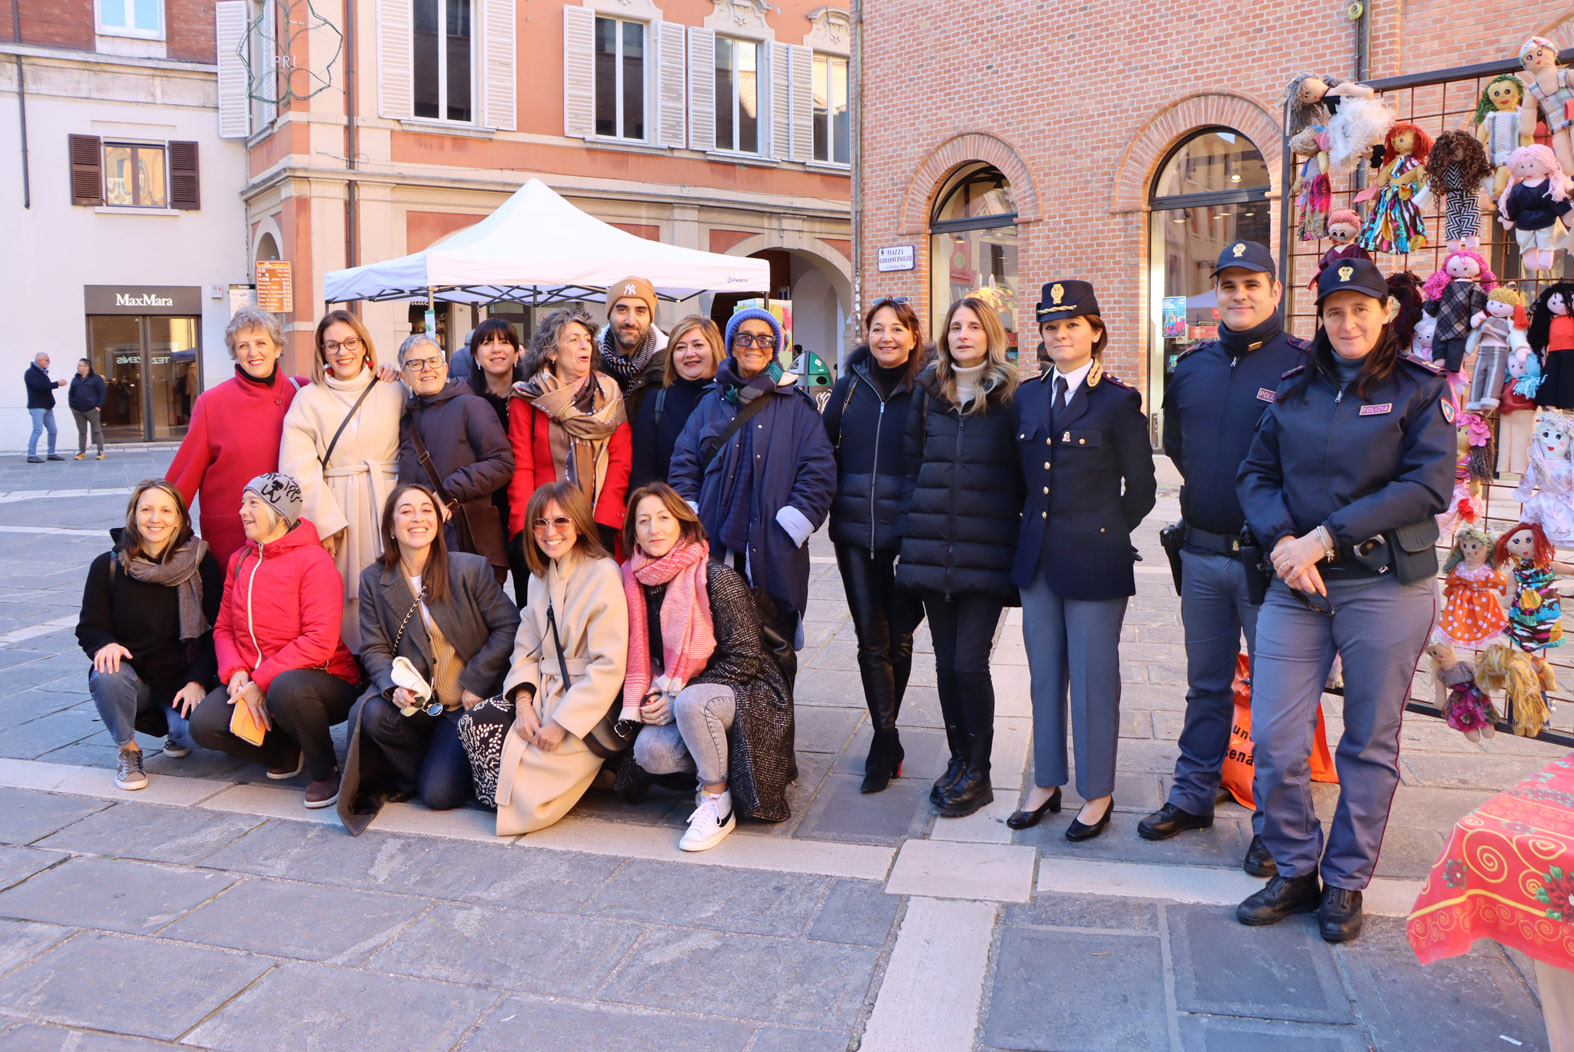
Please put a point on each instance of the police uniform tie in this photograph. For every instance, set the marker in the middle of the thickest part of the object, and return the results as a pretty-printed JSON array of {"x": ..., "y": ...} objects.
[{"x": 1057, "y": 402}]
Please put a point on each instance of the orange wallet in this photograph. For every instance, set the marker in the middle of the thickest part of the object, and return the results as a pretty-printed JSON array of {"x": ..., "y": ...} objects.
[{"x": 245, "y": 726}]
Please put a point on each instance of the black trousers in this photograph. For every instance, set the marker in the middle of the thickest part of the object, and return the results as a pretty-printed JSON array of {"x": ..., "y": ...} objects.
[
  {"x": 963, "y": 630},
  {"x": 423, "y": 752},
  {"x": 304, "y": 704},
  {"x": 884, "y": 618}
]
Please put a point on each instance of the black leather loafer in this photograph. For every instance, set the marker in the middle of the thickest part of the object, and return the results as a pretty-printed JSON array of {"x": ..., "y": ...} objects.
[
  {"x": 1029, "y": 819},
  {"x": 1339, "y": 916},
  {"x": 1169, "y": 820},
  {"x": 1258, "y": 862},
  {"x": 1281, "y": 897},
  {"x": 1077, "y": 831}
]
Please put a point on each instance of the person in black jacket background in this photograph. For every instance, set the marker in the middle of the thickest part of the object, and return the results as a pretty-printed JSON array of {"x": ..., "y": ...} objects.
[
  {"x": 494, "y": 349},
  {"x": 41, "y": 406},
  {"x": 86, "y": 398},
  {"x": 694, "y": 351},
  {"x": 866, "y": 419},
  {"x": 963, "y": 500}
]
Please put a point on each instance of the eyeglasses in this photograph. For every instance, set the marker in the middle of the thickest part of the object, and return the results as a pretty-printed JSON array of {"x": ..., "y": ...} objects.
[
  {"x": 350, "y": 343},
  {"x": 1315, "y": 603},
  {"x": 744, "y": 339},
  {"x": 561, "y": 524},
  {"x": 420, "y": 365},
  {"x": 431, "y": 708}
]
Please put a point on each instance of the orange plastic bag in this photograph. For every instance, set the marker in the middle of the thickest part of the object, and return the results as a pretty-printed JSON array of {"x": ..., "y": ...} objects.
[{"x": 1238, "y": 767}]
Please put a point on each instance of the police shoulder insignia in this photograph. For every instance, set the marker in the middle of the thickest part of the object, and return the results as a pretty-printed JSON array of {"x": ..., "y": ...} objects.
[
  {"x": 1296, "y": 371},
  {"x": 1448, "y": 408},
  {"x": 1193, "y": 349},
  {"x": 1297, "y": 342},
  {"x": 1422, "y": 363},
  {"x": 1110, "y": 378}
]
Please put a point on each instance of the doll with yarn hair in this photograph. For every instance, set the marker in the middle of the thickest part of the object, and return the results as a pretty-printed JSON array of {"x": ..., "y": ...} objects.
[
  {"x": 1551, "y": 335},
  {"x": 1496, "y": 331},
  {"x": 1472, "y": 473},
  {"x": 1535, "y": 619},
  {"x": 1355, "y": 120},
  {"x": 1395, "y": 223},
  {"x": 1404, "y": 306},
  {"x": 1343, "y": 225},
  {"x": 1550, "y": 90},
  {"x": 1460, "y": 288},
  {"x": 1472, "y": 617},
  {"x": 1311, "y": 189},
  {"x": 1517, "y": 411},
  {"x": 1547, "y": 489},
  {"x": 1456, "y": 168},
  {"x": 1498, "y": 126},
  {"x": 1535, "y": 205}
]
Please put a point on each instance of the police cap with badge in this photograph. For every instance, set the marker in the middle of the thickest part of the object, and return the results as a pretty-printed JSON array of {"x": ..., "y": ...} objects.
[
  {"x": 1352, "y": 275},
  {"x": 1071, "y": 298},
  {"x": 1246, "y": 255}
]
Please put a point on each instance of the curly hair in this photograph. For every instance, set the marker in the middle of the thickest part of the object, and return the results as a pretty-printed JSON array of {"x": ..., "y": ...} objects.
[
  {"x": 1404, "y": 288},
  {"x": 1543, "y": 553},
  {"x": 1420, "y": 147},
  {"x": 1305, "y": 114},
  {"x": 550, "y": 331},
  {"x": 1455, "y": 147},
  {"x": 1434, "y": 286}
]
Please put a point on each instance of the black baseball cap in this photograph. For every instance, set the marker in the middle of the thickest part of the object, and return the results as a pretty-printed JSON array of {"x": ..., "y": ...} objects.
[
  {"x": 1247, "y": 255},
  {"x": 1357, "y": 275}
]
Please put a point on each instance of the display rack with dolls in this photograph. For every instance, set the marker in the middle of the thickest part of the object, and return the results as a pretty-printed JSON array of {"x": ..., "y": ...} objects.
[
  {"x": 1535, "y": 205},
  {"x": 1546, "y": 491},
  {"x": 1460, "y": 288},
  {"x": 1456, "y": 168},
  {"x": 1311, "y": 189},
  {"x": 1551, "y": 335},
  {"x": 1516, "y": 418},
  {"x": 1550, "y": 96},
  {"x": 1395, "y": 223},
  {"x": 1355, "y": 120},
  {"x": 1496, "y": 331},
  {"x": 1343, "y": 226},
  {"x": 1498, "y": 127}
]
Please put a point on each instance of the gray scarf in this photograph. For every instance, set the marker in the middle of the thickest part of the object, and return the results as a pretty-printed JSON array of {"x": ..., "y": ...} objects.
[
  {"x": 626, "y": 369},
  {"x": 177, "y": 570}
]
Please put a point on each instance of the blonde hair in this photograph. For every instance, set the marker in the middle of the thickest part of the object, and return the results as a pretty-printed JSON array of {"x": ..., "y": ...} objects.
[
  {"x": 708, "y": 330},
  {"x": 999, "y": 382},
  {"x": 369, "y": 359},
  {"x": 1507, "y": 294}
]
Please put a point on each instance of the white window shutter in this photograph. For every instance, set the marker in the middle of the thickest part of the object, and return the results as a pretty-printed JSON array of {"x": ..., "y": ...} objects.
[
  {"x": 702, "y": 89},
  {"x": 395, "y": 60},
  {"x": 671, "y": 98},
  {"x": 780, "y": 111},
  {"x": 497, "y": 64},
  {"x": 229, "y": 21},
  {"x": 802, "y": 89},
  {"x": 267, "y": 77},
  {"x": 579, "y": 72}
]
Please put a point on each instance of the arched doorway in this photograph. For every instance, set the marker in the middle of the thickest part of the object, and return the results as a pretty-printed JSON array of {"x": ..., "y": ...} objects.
[
  {"x": 1211, "y": 189},
  {"x": 973, "y": 245}
]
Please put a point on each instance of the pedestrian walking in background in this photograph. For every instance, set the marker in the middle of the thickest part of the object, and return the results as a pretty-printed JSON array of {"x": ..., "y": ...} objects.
[
  {"x": 962, "y": 502},
  {"x": 41, "y": 406},
  {"x": 632, "y": 350},
  {"x": 1349, "y": 467},
  {"x": 866, "y": 421},
  {"x": 694, "y": 351},
  {"x": 1219, "y": 390},
  {"x": 86, "y": 399},
  {"x": 1082, "y": 442}
]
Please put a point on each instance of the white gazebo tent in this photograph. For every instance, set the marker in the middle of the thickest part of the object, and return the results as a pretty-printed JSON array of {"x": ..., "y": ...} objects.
[{"x": 539, "y": 249}]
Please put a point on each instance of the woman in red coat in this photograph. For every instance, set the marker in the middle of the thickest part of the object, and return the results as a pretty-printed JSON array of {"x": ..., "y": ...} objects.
[
  {"x": 235, "y": 430},
  {"x": 279, "y": 651},
  {"x": 573, "y": 427}
]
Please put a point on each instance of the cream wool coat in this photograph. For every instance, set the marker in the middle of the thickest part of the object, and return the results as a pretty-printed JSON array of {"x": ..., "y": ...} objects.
[
  {"x": 349, "y": 494},
  {"x": 536, "y": 788}
]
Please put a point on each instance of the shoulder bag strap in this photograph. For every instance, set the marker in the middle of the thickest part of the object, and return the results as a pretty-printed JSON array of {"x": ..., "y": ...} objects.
[
  {"x": 743, "y": 416},
  {"x": 562, "y": 662},
  {"x": 841, "y": 423},
  {"x": 659, "y": 406},
  {"x": 466, "y": 539},
  {"x": 346, "y": 423}
]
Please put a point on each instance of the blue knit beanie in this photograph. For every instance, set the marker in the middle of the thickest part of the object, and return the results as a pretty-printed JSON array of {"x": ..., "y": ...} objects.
[{"x": 752, "y": 312}]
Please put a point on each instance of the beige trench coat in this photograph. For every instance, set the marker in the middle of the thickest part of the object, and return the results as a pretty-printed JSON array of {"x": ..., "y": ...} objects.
[
  {"x": 536, "y": 788},
  {"x": 349, "y": 494}
]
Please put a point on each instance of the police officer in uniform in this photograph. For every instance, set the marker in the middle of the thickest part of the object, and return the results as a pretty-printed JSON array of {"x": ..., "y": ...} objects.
[
  {"x": 1218, "y": 392},
  {"x": 1082, "y": 442},
  {"x": 1349, "y": 466}
]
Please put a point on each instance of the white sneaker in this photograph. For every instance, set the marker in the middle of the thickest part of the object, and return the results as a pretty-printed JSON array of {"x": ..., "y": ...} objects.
[
  {"x": 128, "y": 770},
  {"x": 710, "y": 823}
]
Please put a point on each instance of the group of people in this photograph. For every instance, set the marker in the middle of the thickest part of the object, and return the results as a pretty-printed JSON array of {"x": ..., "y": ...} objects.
[
  {"x": 86, "y": 397},
  {"x": 652, "y": 496}
]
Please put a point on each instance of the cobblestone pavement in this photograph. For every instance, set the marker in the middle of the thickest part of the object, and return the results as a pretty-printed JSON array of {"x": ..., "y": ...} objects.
[{"x": 211, "y": 910}]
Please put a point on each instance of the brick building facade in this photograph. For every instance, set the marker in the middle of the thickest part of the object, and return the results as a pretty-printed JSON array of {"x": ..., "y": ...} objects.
[{"x": 1084, "y": 109}]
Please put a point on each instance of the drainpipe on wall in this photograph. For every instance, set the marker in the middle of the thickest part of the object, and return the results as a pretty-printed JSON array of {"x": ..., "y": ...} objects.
[
  {"x": 21, "y": 106},
  {"x": 352, "y": 246},
  {"x": 857, "y": 162}
]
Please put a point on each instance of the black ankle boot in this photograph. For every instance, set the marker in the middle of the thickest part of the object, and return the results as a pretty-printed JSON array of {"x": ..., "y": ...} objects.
[
  {"x": 968, "y": 793},
  {"x": 954, "y": 768},
  {"x": 884, "y": 762}
]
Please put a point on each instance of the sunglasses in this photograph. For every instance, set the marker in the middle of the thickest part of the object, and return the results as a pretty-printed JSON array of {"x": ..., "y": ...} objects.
[
  {"x": 1317, "y": 604},
  {"x": 744, "y": 339},
  {"x": 561, "y": 524},
  {"x": 432, "y": 708}
]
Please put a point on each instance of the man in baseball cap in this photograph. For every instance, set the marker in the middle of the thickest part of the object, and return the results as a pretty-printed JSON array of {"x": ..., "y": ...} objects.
[{"x": 633, "y": 349}]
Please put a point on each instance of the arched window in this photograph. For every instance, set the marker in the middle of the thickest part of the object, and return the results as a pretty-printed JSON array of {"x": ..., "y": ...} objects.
[
  {"x": 973, "y": 245},
  {"x": 1211, "y": 190}
]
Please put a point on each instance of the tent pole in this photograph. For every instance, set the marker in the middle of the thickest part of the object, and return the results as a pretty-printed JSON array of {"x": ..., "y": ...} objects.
[{"x": 431, "y": 314}]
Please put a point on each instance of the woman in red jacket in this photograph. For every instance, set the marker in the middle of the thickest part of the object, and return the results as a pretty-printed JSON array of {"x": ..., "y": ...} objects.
[
  {"x": 235, "y": 430},
  {"x": 575, "y": 429},
  {"x": 278, "y": 645}
]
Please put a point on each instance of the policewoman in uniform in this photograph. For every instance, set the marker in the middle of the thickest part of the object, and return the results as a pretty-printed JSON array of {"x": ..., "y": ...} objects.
[
  {"x": 1218, "y": 392},
  {"x": 1349, "y": 466},
  {"x": 1082, "y": 443}
]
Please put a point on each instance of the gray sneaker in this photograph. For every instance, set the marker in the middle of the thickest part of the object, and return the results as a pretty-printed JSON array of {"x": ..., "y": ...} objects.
[
  {"x": 128, "y": 770},
  {"x": 174, "y": 750}
]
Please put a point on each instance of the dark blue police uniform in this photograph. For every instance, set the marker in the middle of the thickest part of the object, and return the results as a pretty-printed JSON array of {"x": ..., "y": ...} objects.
[
  {"x": 1219, "y": 391},
  {"x": 1372, "y": 468},
  {"x": 1088, "y": 470}
]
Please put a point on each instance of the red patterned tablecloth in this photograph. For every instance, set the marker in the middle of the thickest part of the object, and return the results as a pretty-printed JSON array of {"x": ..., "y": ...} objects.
[{"x": 1507, "y": 874}]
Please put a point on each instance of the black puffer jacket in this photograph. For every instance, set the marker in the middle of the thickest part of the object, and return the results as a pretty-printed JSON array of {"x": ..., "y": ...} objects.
[
  {"x": 869, "y": 433},
  {"x": 964, "y": 501}
]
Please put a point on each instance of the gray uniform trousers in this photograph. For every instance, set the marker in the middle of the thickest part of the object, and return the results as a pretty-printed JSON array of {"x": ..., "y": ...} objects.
[
  {"x": 1378, "y": 628},
  {"x": 1073, "y": 646},
  {"x": 1215, "y": 611}
]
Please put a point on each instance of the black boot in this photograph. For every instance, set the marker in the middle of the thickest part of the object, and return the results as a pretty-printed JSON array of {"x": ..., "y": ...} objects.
[
  {"x": 971, "y": 791},
  {"x": 884, "y": 762},
  {"x": 956, "y": 737},
  {"x": 1282, "y": 897}
]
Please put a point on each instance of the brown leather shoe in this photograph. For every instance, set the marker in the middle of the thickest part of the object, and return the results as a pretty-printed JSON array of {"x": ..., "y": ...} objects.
[
  {"x": 292, "y": 764},
  {"x": 324, "y": 792}
]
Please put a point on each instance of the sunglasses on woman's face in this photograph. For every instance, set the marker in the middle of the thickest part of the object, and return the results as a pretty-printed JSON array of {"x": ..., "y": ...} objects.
[
  {"x": 745, "y": 339},
  {"x": 561, "y": 524}
]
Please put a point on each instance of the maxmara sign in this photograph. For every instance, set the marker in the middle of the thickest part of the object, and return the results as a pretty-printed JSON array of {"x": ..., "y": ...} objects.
[
  {"x": 142, "y": 299},
  {"x": 147, "y": 299}
]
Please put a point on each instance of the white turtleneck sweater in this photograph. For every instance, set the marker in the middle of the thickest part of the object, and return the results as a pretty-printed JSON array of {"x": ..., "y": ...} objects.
[{"x": 967, "y": 381}]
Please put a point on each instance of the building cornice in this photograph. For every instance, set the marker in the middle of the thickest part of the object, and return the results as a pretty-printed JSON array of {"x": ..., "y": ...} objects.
[{"x": 99, "y": 60}]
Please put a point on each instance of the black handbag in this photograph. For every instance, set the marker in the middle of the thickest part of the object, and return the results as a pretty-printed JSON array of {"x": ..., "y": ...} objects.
[{"x": 610, "y": 736}]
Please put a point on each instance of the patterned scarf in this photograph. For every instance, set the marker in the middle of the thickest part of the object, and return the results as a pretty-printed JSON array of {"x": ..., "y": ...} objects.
[
  {"x": 626, "y": 368},
  {"x": 688, "y": 632},
  {"x": 178, "y": 570},
  {"x": 584, "y": 415}
]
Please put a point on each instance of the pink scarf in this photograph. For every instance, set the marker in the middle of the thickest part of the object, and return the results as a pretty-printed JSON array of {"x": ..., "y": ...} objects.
[{"x": 688, "y": 633}]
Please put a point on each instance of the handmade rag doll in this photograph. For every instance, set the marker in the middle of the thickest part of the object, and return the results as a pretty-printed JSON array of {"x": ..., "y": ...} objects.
[
  {"x": 1355, "y": 120},
  {"x": 1472, "y": 617},
  {"x": 1535, "y": 205},
  {"x": 1547, "y": 488},
  {"x": 1496, "y": 331},
  {"x": 1312, "y": 191},
  {"x": 1524, "y": 680},
  {"x": 1395, "y": 224},
  {"x": 1457, "y": 167},
  {"x": 1426, "y": 329},
  {"x": 1472, "y": 471},
  {"x": 1552, "y": 336},
  {"x": 1551, "y": 90},
  {"x": 1343, "y": 225},
  {"x": 1517, "y": 412},
  {"x": 1498, "y": 126},
  {"x": 1404, "y": 306},
  {"x": 1460, "y": 288}
]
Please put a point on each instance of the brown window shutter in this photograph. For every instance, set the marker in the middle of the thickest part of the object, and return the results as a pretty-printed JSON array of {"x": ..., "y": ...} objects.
[
  {"x": 184, "y": 188},
  {"x": 87, "y": 177}
]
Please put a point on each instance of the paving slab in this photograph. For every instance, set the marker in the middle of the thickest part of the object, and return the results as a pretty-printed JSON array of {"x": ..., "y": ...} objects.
[
  {"x": 17, "y": 863},
  {"x": 944, "y": 869},
  {"x": 310, "y": 922},
  {"x": 857, "y": 912},
  {"x": 543, "y": 1026},
  {"x": 69, "y": 983},
  {"x": 150, "y": 831},
  {"x": 841, "y": 811},
  {"x": 1274, "y": 972},
  {"x": 112, "y": 894},
  {"x": 1461, "y": 1002},
  {"x": 716, "y": 898},
  {"x": 504, "y": 874},
  {"x": 26, "y": 815},
  {"x": 1201, "y": 1033},
  {"x": 37, "y": 1038},
  {"x": 20, "y": 940},
  {"x": 781, "y": 1039},
  {"x": 931, "y": 989},
  {"x": 320, "y": 854},
  {"x": 1061, "y": 910}
]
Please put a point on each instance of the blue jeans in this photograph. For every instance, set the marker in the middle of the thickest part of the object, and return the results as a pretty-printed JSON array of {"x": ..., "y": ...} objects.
[
  {"x": 122, "y": 696},
  {"x": 43, "y": 420},
  {"x": 696, "y": 739},
  {"x": 424, "y": 752}
]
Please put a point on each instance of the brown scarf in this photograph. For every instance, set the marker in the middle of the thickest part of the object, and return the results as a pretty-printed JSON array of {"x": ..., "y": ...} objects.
[
  {"x": 584, "y": 416},
  {"x": 178, "y": 570}
]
